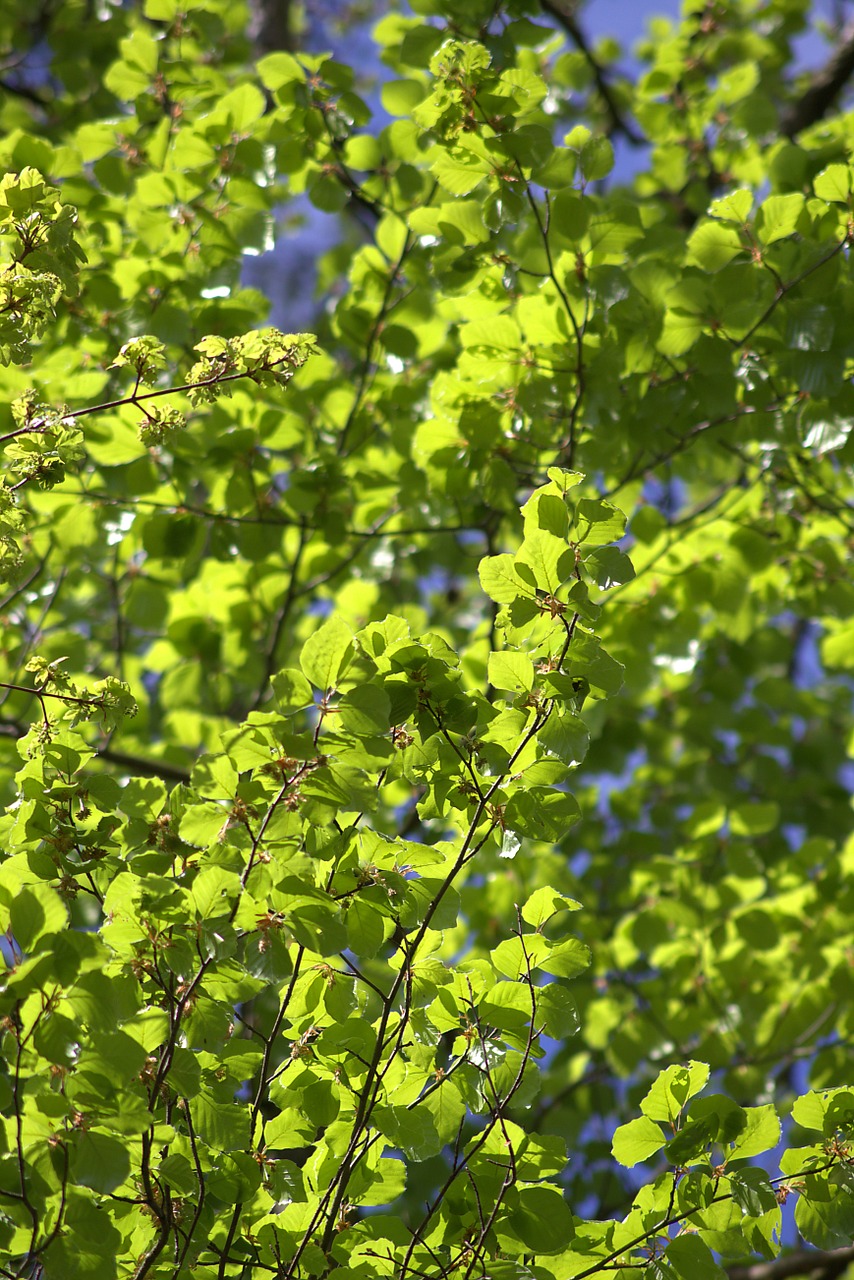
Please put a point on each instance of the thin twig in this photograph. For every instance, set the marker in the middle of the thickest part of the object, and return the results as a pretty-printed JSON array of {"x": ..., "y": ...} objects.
[{"x": 563, "y": 11}]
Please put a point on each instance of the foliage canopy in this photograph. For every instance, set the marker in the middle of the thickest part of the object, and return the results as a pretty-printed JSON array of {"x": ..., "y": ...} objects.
[{"x": 424, "y": 743}]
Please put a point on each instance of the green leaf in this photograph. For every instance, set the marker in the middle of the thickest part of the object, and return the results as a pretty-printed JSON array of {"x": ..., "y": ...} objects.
[
  {"x": 542, "y": 1220},
  {"x": 565, "y": 736},
  {"x": 509, "y": 670},
  {"x": 672, "y": 1089},
  {"x": 826, "y": 1221},
  {"x": 635, "y": 1141},
  {"x": 544, "y": 553},
  {"x": 780, "y": 216},
  {"x": 399, "y": 97},
  {"x": 752, "y": 1191},
  {"x": 327, "y": 653},
  {"x": 460, "y": 169},
  {"x": 279, "y": 69},
  {"x": 734, "y": 207},
  {"x": 761, "y": 1132},
  {"x": 598, "y": 522},
  {"x": 214, "y": 891},
  {"x": 822, "y": 1110},
  {"x": 101, "y": 1162},
  {"x": 222, "y": 1125},
  {"x": 729, "y": 1118},
  {"x": 409, "y": 1129},
  {"x": 541, "y": 814},
  {"x": 691, "y": 1257},
  {"x": 501, "y": 581},
  {"x": 558, "y": 1011},
  {"x": 834, "y": 183},
  {"x": 545, "y": 903},
  {"x": 567, "y": 958},
  {"x": 446, "y": 1110},
  {"x": 35, "y": 912},
  {"x": 90, "y": 1243},
  {"x": 754, "y": 819},
  {"x": 691, "y": 1144},
  {"x": 365, "y": 928},
  {"x": 292, "y": 691},
  {"x": 609, "y": 567},
  {"x": 712, "y": 245},
  {"x": 242, "y": 106},
  {"x": 596, "y": 159},
  {"x": 365, "y": 710}
]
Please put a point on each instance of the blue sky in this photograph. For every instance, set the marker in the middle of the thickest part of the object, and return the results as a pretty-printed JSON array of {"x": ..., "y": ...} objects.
[{"x": 625, "y": 19}]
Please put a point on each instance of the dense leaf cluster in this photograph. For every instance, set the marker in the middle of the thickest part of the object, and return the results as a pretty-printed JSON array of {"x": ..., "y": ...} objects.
[{"x": 424, "y": 742}]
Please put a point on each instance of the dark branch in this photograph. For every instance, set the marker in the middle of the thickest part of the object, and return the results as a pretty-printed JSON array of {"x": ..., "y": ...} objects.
[
  {"x": 563, "y": 11},
  {"x": 24, "y": 91},
  {"x": 270, "y": 26},
  {"x": 817, "y": 1263},
  {"x": 824, "y": 87},
  {"x": 139, "y": 764},
  {"x": 149, "y": 768}
]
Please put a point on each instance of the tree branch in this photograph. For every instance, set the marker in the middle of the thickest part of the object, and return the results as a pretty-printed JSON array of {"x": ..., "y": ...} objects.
[
  {"x": 821, "y": 1264},
  {"x": 270, "y": 26},
  {"x": 824, "y": 87},
  {"x": 563, "y": 11},
  {"x": 139, "y": 764},
  {"x": 25, "y": 92}
]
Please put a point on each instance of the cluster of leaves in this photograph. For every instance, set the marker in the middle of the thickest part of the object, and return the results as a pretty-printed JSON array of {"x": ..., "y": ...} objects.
[
  {"x": 314, "y": 655},
  {"x": 46, "y": 441},
  {"x": 39, "y": 259},
  {"x": 259, "y": 877}
]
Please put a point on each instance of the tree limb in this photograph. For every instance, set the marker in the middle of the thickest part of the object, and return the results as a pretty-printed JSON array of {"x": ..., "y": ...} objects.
[
  {"x": 149, "y": 768},
  {"x": 563, "y": 11},
  {"x": 824, "y": 87},
  {"x": 139, "y": 764},
  {"x": 24, "y": 91},
  {"x": 270, "y": 26},
  {"x": 818, "y": 1263}
]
